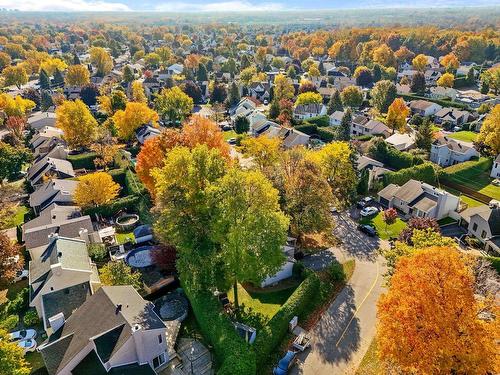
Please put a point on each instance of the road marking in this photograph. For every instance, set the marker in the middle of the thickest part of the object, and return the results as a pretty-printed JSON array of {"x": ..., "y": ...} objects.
[{"x": 359, "y": 307}]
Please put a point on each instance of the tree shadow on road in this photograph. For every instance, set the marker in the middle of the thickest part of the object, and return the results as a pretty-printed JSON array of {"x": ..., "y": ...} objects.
[{"x": 355, "y": 243}]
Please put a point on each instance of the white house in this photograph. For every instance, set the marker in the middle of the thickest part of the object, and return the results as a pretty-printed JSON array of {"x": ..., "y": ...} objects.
[
  {"x": 362, "y": 125},
  {"x": 419, "y": 199},
  {"x": 335, "y": 119},
  {"x": 424, "y": 108},
  {"x": 286, "y": 270},
  {"x": 446, "y": 151},
  {"x": 495, "y": 169},
  {"x": 483, "y": 223},
  {"x": 306, "y": 111},
  {"x": 439, "y": 92},
  {"x": 402, "y": 141}
]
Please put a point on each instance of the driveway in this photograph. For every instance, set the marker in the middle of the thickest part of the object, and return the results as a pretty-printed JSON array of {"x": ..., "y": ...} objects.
[
  {"x": 453, "y": 231},
  {"x": 342, "y": 336}
]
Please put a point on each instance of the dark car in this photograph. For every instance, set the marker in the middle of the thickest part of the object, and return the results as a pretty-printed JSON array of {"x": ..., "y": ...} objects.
[
  {"x": 285, "y": 363},
  {"x": 368, "y": 230},
  {"x": 365, "y": 202}
]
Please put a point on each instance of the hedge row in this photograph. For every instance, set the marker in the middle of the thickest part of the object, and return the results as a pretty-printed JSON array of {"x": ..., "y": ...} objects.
[
  {"x": 318, "y": 121},
  {"x": 85, "y": 160},
  {"x": 466, "y": 170},
  {"x": 109, "y": 210},
  {"x": 326, "y": 134},
  {"x": 297, "y": 305},
  {"x": 423, "y": 172},
  {"x": 133, "y": 185},
  {"x": 392, "y": 157},
  {"x": 118, "y": 176},
  {"x": 233, "y": 354}
]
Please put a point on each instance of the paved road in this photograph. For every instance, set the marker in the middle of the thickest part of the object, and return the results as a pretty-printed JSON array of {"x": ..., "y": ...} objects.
[{"x": 344, "y": 333}]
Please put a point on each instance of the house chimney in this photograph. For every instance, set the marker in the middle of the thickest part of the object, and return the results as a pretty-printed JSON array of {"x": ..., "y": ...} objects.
[
  {"x": 53, "y": 237},
  {"x": 118, "y": 308},
  {"x": 83, "y": 234},
  {"x": 56, "y": 321}
]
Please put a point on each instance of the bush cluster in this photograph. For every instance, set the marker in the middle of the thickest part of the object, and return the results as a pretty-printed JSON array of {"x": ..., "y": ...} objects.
[
  {"x": 31, "y": 318},
  {"x": 109, "y": 210},
  {"x": 423, "y": 172},
  {"x": 392, "y": 157},
  {"x": 85, "y": 160}
]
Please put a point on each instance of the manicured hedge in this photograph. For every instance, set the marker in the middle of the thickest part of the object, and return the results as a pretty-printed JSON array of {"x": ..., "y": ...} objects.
[
  {"x": 85, "y": 160},
  {"x": 308, "y": 129},
  {"x": 318, "y": 121},
  {"x": 233, "y": 354},
  {"x": 109, "y": 210},
  {"x": 423, "y": 172},
  {"x": 392, "y": 157},
  {"x": 133, "y": 184},
  {"x": 297, "y": 305},
  {"x": 118, "y": 176},
  {"x": 326, "y": 134}
]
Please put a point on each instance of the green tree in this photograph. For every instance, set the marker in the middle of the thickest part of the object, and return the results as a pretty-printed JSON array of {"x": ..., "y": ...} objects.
[
  {"x": 274, "y": 109},
  {"x": 344, "y": 130},
  {"x": 201, "y": 74},
  {"x": 246, "y": 206},
  {"x": 119, "y": 273},
  {"x": 376, "y": 73},
  {"x": 12, "y": 360},
  {"x": 424, "y": 135},
  {"x": 352, "y": 96},
  {"x": 335, "y": 103},
  {"x": 382, "y": 95},
  {"x": 241, "y": 125},
  {"x": 173, "y": 104},
  {"x": 418, "y": 83},
  {"x": 44, "y": 80},
  {"x": 291, "y": 72},
  {"x": 234, "y": 94},
  {"x": 128, "y": 74},
  {"x": 58, "y": 78},
  {"x": 11, "y": 160},
  {"x": 46, "y": 100}
]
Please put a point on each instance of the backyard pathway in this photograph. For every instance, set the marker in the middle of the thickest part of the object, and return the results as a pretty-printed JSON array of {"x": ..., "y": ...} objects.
[{"x": 344, "y": 333}]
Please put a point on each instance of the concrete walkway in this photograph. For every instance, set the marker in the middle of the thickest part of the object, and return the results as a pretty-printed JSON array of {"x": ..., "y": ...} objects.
[{"x": 344, "y": 333}]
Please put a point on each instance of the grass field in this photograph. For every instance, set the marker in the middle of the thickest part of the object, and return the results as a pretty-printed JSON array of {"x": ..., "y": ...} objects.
[
  {"x": 384, "y": 232},
  {"x": 229, "y": 134},
  {"x": 17, "y": 217},
  {"x": 370, "y": 364},
  {"x": 465, "y": 135}
]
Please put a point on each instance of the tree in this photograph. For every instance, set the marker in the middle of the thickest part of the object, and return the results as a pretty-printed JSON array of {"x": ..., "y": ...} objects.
[
  {"x": 389, "y": 217},
  {"x": 335, "y": 103},
  {"x": 363, "y": 76},
  {"x": 102, "y": 60},
  {"x": 446, "y": 80},
  {"x": 77, "y": 75},
  {"x": 418, "y": 83},
  {"x": 429, "y": 315},
  {"x": 105, "y": 154},
  {"x": 119, "y": 273},
  {"x": 283, "y": 88},
  {"x": 201, "y": 74},
  {"x": 89, "y": 94},
  {"x": 352, "y": 96},
  {"x": 489, "y": 134},
  {"x": 397, "y": 114},
  {"x": 336, "y": 163},
  {"x": 308, "y": 98},
  {"x": 344, "y": 129},
  {"x": 234, "y": 94},
  {"x": 5, "y": 60},
  {"x": 241, "y": 125},
  {"x": 128, "y": 74},
  {"x": 286, "y": 112},
  {"x": 424, "y": 135},
  {"x": 246, "y": 205},
  {"x": 137, "y": 92},
  {"x": 219, "y": 93},
  {"x": 95, "y": 189},
  {"x": 403, "y": 54},
  {"x": 420, "y": 62},
  {"x": 382, "y": 95},
  {"x": 164, "y": 53},
  {"x": 52, "y": 64},
  {"x": 291, "y": 72},
  {"x": 418, "y": 223},
  {"x": 11, "y": 160},
  {"x": 15, "y": 75},
  {"x": 152, "y": 60},
  {"x": 491, "y": 78},
  {"x": 383, "y": 55},
  {"x": 46, "y": 100},
  {"x": 173, "y": 104},
  {"x": 377, "y": 73},
  {"x": 12, "y": 360},
  {"x": 11, "y": 259},
  {"x": 164, "y": 257},
  {"x": 77, "y": 123},
  {"x": 44, "y": 80},
  {"x": 133, "y": 117},
  {"x": 17, "y": 106},
  {"x": 202, "y": 131},
  {"x": 274, "y": 109},
  {"x": 16, "y": 125},
  {"x": 58, "y": 78},
  {"x": 450, "y": 62},
  {"x": 307, "y": 86},
  {"x": 192, "y": 90}
]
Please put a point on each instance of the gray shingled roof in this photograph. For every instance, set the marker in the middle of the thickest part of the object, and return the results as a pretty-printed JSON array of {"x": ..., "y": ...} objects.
[
  {"x": 409, "y": 191},
  {"x": 66, "y": 300}
]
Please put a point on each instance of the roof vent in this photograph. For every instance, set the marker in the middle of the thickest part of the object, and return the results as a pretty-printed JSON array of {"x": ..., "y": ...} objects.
[{"x": 118, "y": 308}]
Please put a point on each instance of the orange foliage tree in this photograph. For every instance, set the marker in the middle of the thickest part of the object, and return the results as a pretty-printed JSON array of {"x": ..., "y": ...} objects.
[
  {"x": 200, "y": 130},
  {"x": 428, "y": 319}
]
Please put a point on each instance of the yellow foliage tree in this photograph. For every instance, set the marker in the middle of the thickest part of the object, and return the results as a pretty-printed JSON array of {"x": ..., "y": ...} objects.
[
  {"x": 420, "y": 62},
  {"x": 283, "y": 87},
  {"x": 138, "y": 94},
  {"x": 396, "y": 115},
  {"x": 52, "y": 64},
  {"x": 263, "y": 150},
  {"x": 450, "y": 61},
  {"x": 313, "y": 71},
  {"x": 95, "y": 189},
  {"x": 102, "y": 60},
  {"x": 134, "y": 116},
  {"x": 77, "y": 123},
  {"x": 15, "y": 75},
  {"x": 383, "y": 55},
  {"x": 309, "y": 98},
  {"x": 446, "y": 80},
  {"x": 77, "y": 75},
  {"x": 490, "y": 131},
  {"x": 428, "y": 319},
  {"x": 17, "y": 106}
]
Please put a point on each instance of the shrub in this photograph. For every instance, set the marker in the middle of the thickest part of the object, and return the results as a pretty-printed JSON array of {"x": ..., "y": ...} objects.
[
  {"x": 19, "y": 303},
  {"x": 85, "y": 160},
  {"x": 321, "y": 121},
  {"x": 97, "y": 252},
  {"x": 309, "y": 129},
  {"x": 133, "y": 185},
  {"x": 118, "y": 176},
  {"x": 326, "y": 134},
  {"x": 109, "y": 210},
  {"x": 31, "y": 318},
  {"x": 336, "y": 272},
  {"x": 495, "y": 263},
  {"x": 392, "y": 157},
  {"x": 10, "y": 322},
  {"x": 424, "y": 172},
  {"x": 298, "y": 304}
]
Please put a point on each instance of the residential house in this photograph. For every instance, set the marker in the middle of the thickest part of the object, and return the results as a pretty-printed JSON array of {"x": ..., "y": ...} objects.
[
  {"x": 151, "y": 86},
  {"x": 61, "y": 277},
  {"x": 53, "y": 147},
  {"x": 402, "y": 141},
  {"x": 53, "y": 191},
  {"x": 362, "y": 125},
  {"x": 40, "y": 120},
  {"x": 495, "y": 168},
  {"x": 306, "y": 111},
  {"x": 326, "y": 93},
  {"x": 259, "y": 124},
  {"x": 44, "y": 134},
  {"x": 245, "y": 106},
  {"x": 463, "y": 69},
  {"x": 335, "y": 119},
  {"x": 115, "y": 331},
  {"x": 483, "y": 223},
  {"x": 286, "y": 270},
  {"x": 403, "y": 89},
  {"x": 342, "y": 82},
  {"x": 432, "y": 76},
  {"x": 260, "y": 91},
  {"x": 451, "y": 115},
  {"x": 174, "y": 69},
  {"x": 424, "y": 108},
  {"x": 439, "y": 92},
  {"x": 474, "y": 98},
  {"x": 72, "y": 92},
  {"x": 406, "y": 73},
  {"x": 447, "y": 151},
  {"x": 146, "y": 132},
  {"x": 419, "y": 199},
  {"x": 289, "y": 136},
  {"x": 49, "y": 167}
]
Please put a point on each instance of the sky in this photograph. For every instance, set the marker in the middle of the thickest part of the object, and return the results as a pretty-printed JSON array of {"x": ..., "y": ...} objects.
[{"x": 222, "y": 5}]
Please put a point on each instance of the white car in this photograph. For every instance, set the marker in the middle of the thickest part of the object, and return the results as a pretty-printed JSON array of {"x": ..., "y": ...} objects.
[
  {"x": 21, "y": 275},
  {"x": 369, "y": 211},
  {"x": 27, "y": 345},
  {"x": 25, "y": 334}
]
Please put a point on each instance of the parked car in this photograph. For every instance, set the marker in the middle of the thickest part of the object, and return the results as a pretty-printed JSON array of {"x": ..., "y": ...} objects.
[
  {"x": 368, "y": 230},
  {"x": 25, "y": 334},
  {"x": 285, "y": 363},
  {"x": 231, "y": 141},
  {"x": 369, "y": 211},
  {"x": 21, "y": 275},
  {"x": 227, "y": 128},
  {"x": 364, "y": 202},
  {"x": 27, "y": 345},
  {"x": 333, "y": 209}
]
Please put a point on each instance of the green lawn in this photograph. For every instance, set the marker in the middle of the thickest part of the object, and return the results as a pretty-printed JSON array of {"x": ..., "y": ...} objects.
[
  {"x": 124, "y": 237},
  {"x": 384, "y": 232},
  {"x": 17, "y": 217},
  {"x": 370, "y": 364},
  {"x": 229, "y": 134},
  {"x": 465, "y": 135},
  {"x": 36, "y": 363},
  {"x": 262, "y": 302},
  {"x": 470, "y": 202}
]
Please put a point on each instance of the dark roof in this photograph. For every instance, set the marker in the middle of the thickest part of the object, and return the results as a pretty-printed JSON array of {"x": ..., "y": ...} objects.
[
  {"x": 91, "y": 365},
  {"x": 65, "y": 301},
  {"x": 109, "y": 341}
]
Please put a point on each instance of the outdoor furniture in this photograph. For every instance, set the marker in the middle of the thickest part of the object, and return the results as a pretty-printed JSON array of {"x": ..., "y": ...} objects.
[{"x": 302, "y": 342}]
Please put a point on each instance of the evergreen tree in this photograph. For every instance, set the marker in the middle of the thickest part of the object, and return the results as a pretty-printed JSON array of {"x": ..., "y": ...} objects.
[
  {"x": 234, "y": 94},
  {"x": 76, "y": 60},
  {"x": 241, "y": 125},
  {"x": 471, "y": 78},
  {"x": 418, "y": 83},
  {"x": 291, "y": 72},
  {"x": 44, "y": 80},
  {"x": 321, "y": 68},
  {"x": 485, "y": 87},
  {"x": 202, "y": 74},
  {"x": 46, "y": 100},
  {"x": 376, "y": 73},
  {"x": 335, "y": 103},
  {"x": 128, "y": 74},
  {"x": 58, "y": 78},
  {"x": 274, "y": 109},
  {"x": 424, "y": 136},
  {"x": 344, "y": 129}
]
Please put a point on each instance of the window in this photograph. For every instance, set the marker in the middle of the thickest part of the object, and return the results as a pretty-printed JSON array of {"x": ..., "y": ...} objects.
[
  {"x": 160, "y": 339},
  {"x": 474, "y": 227},
  {"x": 158, "y": 361},
  {"x": 483, "y": 234}
]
